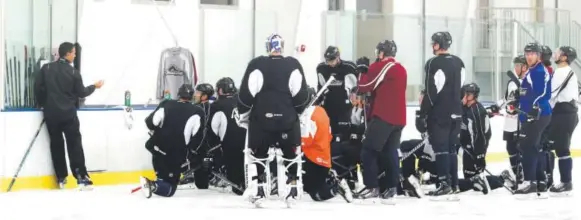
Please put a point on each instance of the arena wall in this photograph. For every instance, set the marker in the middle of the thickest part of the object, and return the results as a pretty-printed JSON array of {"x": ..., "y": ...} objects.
[{"x": 115, "y": 154}]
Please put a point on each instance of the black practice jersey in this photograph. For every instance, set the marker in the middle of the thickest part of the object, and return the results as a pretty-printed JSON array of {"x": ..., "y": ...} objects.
[
  {"x": 444, "y": 78},
  {"x": 476, "y": 131},
  {"x": 275, "y": 89}
]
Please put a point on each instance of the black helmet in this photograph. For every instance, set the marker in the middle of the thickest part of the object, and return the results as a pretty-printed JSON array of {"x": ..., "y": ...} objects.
[
  {"x": 388, "y": 47},
  {"x": 205, "y": 89},
  {"x": 570, "y": 52},
  {"x": 546, "y": 54},
  {"x": 186, "y": 91},
  {"x": 227, "y": 85},
  {"x": 471, "y": 88},
  {"x": 533, "y": 47},
  {"x": 520, "y": 59},
  {"x": 442, "y": 38},
  {"x": 331, "y": 53}
]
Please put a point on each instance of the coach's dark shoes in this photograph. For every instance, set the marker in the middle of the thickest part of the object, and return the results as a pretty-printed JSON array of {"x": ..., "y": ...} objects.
[{"x": 61, "y": 182}]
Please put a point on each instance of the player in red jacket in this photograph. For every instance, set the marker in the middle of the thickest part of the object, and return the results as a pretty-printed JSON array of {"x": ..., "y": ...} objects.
[{"x": 385, "y": 84}]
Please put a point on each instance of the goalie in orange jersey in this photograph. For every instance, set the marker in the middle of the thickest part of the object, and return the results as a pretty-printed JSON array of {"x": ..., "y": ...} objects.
[{"x": 319, "y": 180}]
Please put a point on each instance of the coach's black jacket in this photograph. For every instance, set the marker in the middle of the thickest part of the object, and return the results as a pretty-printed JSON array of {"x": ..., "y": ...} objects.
[{"x": 58, "y": 87}]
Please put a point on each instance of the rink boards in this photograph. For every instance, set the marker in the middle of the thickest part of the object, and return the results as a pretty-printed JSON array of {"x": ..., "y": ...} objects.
[{"x": 115, "y": 154}]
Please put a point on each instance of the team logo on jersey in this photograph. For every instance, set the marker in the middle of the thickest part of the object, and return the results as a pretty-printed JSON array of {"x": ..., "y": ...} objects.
[
  {"x": 284, "y": 136},
  {"x": 269, "y": 115},
  {"x": 336, "y": 82}
]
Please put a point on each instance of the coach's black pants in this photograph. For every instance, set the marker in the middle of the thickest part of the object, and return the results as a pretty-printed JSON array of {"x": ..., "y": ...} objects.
[
  {"x": 70, "y": 129},
  {"x": 379, "y": 154}
]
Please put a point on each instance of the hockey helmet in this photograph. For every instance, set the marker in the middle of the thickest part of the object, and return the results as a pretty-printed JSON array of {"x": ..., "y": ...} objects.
[
  {"x": 568, "y": 51},
  {"x": 205, "y": 89},
  {"x": 520, "y": 59},
  {"x": 442, "y": 38},
  {"x": 331, "y": 53},
  {"x": 274, "y": 43},
  {"x": 546, "y": 54},
  {"x": 227, "y": 85},
  {"x": 470, "y": 88},
  {"x": 533, "y": 48},
  {"x": 186, "y": 91},
  {"x": 388, "y": 47}
]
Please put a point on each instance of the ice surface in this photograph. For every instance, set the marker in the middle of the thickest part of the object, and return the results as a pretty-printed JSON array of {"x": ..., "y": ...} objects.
[{"x": 117, "y": 203}]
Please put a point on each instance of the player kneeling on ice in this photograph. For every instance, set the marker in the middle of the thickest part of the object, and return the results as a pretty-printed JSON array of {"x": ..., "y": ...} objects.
[
  {"x": 272, "y": 95},
  {"x": 176, "y": 130},
  {"x": 227, "y": 137},
  {"x": 319, "y": 181},
  {"x": 474, "y": 139}
]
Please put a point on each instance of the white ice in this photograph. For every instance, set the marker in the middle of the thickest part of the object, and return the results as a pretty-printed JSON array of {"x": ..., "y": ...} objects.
[{"x": 117, "y": 203}]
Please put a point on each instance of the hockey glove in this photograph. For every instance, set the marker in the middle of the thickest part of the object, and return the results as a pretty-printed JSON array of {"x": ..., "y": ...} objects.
[
  {"x": 534, "y": 114},
  {"x": 495, "y": 109},
  {"x": 421, "y": 125},
  {"x": 362, "y": 64},
  {"x": 511, "y": 108}
]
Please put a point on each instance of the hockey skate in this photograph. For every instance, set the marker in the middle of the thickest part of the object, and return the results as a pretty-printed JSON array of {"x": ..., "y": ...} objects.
[
  {"x": 542, "y": 189},
  {"x": 147, "y": 187},
  {"x": 367, "y": 196},
  {"x": 444, "y": 192},
  {"x": 562, "y": 190},
  {"x": 526, "y": 190},
  {"x": 509, "y": 179},
  {"x": 255, "y": 193},
  {"x": 480, "y": 184},
  {"x": 341, "y": 187},
  {"x": 388, "y": 196},
  {"x": 412, "y": 188},
  {"x": 290, "y": 190}
]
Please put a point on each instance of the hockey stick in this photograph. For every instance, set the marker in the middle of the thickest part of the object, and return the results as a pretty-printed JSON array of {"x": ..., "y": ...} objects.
[
  {"x": 25, "y": 156},
  {"x": 466, "y": 151}
]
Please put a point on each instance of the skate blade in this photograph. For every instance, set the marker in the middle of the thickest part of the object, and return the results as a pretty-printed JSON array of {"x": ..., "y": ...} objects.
[
  {"x": 258, "y": 202},
  {"x": 445, "y": 198},
  {"x": 85, "y": 188},
  {"x": 370, "y": 201},
  {"x": 186, "y": 186},
  {"x": 145, "y": 188},
  {"x": 291, "y": 202},
  {"x": 528, "y": 196},
  {"x": 388, "y": 201},
  {"x": 561, "y": 194}
]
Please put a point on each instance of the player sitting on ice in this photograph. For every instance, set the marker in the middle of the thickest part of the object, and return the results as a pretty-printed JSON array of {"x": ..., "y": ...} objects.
[
  {"x": 319, "y": 181},
  {"x": 474, "y": 138},
  {"x": 176, "y": 129}
]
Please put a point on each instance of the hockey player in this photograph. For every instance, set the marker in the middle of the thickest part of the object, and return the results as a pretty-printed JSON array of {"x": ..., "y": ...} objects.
[
  {"x": 336, "y": 99},
  {"x": 227, "y": 134},
  {"x": 511, "y": 123},
  {"x": 272, "y": 95},
  {"x": 441, "y": 108},
  {"x": 546, "y": 55},
  {"x": 319, "y": 181},
  {"x": 386, "y": 82},
  {"x": 534, "y": 114},
  {"x": 564, "y": 119},
  {"x": 176, "y": 129}
]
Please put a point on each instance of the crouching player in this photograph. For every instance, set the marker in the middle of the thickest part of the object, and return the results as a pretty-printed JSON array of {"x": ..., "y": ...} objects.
[
  {"x": 176, "y": 130},
  {"x": 318, "y": 180}
]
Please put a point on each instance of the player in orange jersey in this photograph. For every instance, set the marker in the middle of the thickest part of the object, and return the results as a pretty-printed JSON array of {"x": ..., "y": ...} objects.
[{"x": 319, "y": 180}]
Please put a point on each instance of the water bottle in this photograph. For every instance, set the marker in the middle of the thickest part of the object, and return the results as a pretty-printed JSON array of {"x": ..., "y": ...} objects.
[{"x": 127, "y": 98}]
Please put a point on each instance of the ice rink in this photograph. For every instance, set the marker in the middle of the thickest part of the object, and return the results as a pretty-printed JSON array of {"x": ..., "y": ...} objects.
[{"x": 117, "y": 203}]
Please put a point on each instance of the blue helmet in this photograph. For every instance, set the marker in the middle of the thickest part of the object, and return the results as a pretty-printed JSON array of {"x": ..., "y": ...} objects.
[{"x": 274, "y": 43}]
